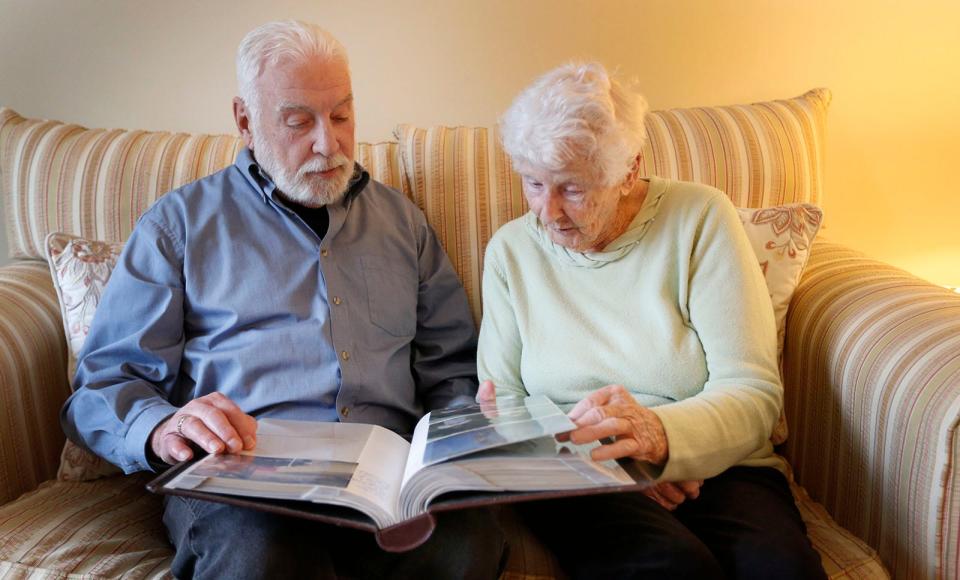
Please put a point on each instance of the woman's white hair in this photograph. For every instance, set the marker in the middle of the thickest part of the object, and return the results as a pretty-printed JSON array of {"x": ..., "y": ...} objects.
[
  {"x": 576, "y": 112},
  {"x": 273, "y": 42}
]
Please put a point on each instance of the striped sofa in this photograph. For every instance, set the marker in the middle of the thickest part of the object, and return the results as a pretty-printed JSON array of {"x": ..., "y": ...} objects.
[{"x": 871, "y": 359}]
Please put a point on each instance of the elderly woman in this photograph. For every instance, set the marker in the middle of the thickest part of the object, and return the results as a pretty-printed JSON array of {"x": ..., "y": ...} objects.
[{"x": 638, "y": 301}]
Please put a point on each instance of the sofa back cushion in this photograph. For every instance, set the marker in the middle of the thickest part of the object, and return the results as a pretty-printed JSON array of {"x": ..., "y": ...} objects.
[
  {"x": 95, "y": 183},
  {"x": 761, "y": 155}
]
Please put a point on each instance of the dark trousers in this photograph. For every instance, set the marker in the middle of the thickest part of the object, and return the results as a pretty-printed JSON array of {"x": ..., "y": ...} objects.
[
  {"x": 216, "y": 540},
  {"x": 745, "y": 524}
]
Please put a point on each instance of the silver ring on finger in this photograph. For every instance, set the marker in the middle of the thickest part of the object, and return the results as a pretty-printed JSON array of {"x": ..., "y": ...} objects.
[{"x": 180, "y": 425}]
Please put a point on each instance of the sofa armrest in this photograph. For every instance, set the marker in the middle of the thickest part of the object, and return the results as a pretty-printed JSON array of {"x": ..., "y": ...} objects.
[
  {"x": 872, "y": 397},
  {"x": 33, "y": 378}
]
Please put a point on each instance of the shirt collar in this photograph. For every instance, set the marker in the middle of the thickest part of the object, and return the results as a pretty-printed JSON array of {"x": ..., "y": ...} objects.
[{"x": 263, "y": 184}]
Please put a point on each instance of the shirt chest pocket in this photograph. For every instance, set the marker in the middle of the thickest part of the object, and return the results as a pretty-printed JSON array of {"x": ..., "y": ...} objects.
[{"x": 391, "y": 295}]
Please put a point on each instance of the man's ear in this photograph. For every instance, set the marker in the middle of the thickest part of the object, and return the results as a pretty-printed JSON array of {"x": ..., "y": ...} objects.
[{"x": 241, "y": 114}]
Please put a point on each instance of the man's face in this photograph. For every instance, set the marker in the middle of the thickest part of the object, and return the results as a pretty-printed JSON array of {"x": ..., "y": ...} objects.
[{"x": 303, "y": 133}]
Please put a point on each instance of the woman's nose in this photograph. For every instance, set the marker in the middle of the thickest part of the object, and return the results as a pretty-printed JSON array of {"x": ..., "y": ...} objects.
[{"x": 552, "y": 208}]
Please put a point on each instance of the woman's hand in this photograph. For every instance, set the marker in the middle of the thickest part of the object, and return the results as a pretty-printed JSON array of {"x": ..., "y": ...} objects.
[
  {"x": 487, "y": 397},
  {"x": 613, "y": 412},
  {"x": 671, "y": 494}
]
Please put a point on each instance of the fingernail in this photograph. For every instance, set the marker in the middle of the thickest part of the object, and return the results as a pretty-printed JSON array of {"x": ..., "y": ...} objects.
[
  {"x": 249, "y": 442},
  {"x": 213, "y": 447},
  {"x": 183, "y": 455},
  {"x": 234, "y": 444}
]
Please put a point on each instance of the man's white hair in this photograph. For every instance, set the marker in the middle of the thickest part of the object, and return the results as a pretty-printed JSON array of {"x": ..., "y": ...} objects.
[
  {"x": 576, "y": 112},
  {"x": 276, "y": 41}
]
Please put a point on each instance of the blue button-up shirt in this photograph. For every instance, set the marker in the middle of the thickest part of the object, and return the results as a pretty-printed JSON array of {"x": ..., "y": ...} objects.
[{"x": 221, "y": 287}]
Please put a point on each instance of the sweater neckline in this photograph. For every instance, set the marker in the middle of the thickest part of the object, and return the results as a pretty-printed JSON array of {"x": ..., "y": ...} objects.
[{"x": 616, "y": 249}]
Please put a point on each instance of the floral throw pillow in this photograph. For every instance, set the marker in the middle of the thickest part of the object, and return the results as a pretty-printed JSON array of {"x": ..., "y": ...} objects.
[
  {"x": 781, "y": 237},
  {"x": 80, "y": 270}
]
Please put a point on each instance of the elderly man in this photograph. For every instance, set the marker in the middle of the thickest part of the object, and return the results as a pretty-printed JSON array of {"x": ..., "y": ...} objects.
[{"x": 288, "y": 285}]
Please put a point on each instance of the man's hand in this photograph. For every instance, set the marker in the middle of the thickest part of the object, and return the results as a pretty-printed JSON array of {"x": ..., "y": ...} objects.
[
  {"x": 213, "y": 422},
  {"x": 613, "y": 412},
  {"x": 671, "y": 494}
]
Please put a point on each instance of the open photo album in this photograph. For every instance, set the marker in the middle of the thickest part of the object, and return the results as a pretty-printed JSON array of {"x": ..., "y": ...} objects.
[{"x": 365, "y": 476}]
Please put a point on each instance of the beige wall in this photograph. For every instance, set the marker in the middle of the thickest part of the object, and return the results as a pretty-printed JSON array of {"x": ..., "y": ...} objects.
[{"x": 893, "y": 68}]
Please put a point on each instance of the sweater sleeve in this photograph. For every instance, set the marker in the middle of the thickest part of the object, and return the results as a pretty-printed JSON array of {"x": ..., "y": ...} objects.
[
  {"x": 500, "y": 348},
  {"x": 730, "y": 420}
]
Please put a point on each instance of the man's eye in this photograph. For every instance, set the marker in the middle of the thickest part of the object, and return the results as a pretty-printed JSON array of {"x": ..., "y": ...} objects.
[{"x": 297, "y": 122}]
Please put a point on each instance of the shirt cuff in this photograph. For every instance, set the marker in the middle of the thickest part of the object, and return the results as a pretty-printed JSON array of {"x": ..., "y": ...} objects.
[{"x": 138, "y": 436}]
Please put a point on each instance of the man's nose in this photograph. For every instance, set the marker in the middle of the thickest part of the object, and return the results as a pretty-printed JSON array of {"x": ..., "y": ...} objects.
[{"x": 324, "y": 141}]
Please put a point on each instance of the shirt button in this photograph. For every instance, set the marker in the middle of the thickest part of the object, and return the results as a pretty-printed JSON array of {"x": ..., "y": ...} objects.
[
  {"x": 324, "y": 252},
  {"x": 336, "y": 300},
  {"x": 345, "y": 411},
  {"x": 345, "y": 355}
]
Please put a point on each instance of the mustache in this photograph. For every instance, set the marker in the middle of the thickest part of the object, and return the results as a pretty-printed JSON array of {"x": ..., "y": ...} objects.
[{"x": 319, "y": 164}]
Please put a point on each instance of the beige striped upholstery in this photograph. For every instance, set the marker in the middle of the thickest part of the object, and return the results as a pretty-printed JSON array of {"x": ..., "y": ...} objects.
[
  {"x": 464, "y": 196},
  {"x": 872, "y": 374},
  {"x": 95, "y": 183},
  {"x": 109, "y": 528},
  {"x": 33, "y": 382},
  {"x": 761, "y": 155},
  {"x": 843, "y": 555}
]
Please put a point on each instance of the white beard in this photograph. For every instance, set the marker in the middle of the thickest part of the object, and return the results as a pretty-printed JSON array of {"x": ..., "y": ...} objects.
[{"x": 305, "y": 187}]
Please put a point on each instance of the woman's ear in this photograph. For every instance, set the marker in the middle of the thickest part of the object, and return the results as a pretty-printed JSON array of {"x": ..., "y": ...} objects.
[{"x": 633, "y": 175}]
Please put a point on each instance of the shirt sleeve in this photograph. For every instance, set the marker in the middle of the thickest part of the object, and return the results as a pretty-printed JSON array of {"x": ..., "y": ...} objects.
[
  {"x": 127, "y": 369},
  {"x": 445, "y": 346},
  {"x": 729, "y": 307},
  {"x": 500, "y": 348}
]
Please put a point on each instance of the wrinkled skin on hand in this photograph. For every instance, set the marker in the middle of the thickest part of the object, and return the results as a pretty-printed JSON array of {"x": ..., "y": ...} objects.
[
  {"x": 613, "y": 412},
  {"x": 213, "y": 422},
  {"x": 637, "y": 432}
]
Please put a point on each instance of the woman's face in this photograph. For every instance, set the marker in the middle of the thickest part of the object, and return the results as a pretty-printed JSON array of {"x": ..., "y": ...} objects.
[{"x": 577, "y": 210}]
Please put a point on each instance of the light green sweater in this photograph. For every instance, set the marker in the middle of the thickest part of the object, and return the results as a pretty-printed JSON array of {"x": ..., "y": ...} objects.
[{"x": 675, "y": 309}]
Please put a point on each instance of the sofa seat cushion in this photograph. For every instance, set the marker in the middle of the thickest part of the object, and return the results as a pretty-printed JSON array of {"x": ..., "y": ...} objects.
[
  {"x": 111, "y": 528},
  {"x": 843, "y": 555}
]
